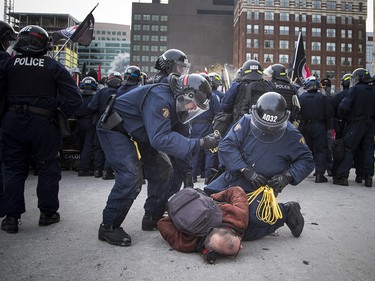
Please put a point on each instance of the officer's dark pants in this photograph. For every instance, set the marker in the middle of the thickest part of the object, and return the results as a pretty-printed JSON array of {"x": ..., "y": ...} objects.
[
  {"x": 26, "y": 136},
  {"x": 315, "y": 135},
  {"x": 181, "y": 167},
  {"x": 86, "y": 133},
  {"x": 359, "y": 136},
  {"x": 122, "y": 156}
]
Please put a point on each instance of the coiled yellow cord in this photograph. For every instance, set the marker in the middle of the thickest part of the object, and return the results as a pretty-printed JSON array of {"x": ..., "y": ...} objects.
[{"x": 268, "y": 209}]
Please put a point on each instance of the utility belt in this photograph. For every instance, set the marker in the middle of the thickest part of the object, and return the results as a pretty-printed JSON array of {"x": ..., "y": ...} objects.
[
  {"x": 58, "y": 116},
  {"x": 111, "y": 120},
  {"x": 25, "y": 108}
]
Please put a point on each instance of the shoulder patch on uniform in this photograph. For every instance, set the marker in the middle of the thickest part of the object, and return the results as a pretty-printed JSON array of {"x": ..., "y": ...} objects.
[
  {"x": 237, "y": 127},
  {"x": 165, "y": 112},
  {"x": 302, "y": 140}
]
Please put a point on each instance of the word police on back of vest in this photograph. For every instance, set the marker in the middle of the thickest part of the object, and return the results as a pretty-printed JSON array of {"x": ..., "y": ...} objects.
[{"x": 29, "y": 61}]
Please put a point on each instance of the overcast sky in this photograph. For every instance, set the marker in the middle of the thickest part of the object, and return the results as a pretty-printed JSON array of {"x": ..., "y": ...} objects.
[{"x": 110, "y": 11}]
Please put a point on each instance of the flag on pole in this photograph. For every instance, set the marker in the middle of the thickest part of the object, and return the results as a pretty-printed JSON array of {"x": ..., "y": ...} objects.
[
  {"x": 99, "y": 72},
  {"x": 81, "y": 33},
  {"x": 298, "y": 68}
]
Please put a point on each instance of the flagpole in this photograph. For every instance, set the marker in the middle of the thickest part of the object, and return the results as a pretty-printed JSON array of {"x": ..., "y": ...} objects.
[{"x": 62, "y": 47}]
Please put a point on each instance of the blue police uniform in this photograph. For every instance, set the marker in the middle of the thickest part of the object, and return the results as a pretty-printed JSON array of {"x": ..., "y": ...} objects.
[
  {"x": 220, "y": 94},
  {"x": 148, "y": 118},
  {"x": 35, "y": 87},
  {"x": 240, "y": 148},
  {"x": 126, "y": 88},
  {"x": 316, "y": 109},
  {"x": 200, "y": 127},
  {"x": 358, "y": 107}
]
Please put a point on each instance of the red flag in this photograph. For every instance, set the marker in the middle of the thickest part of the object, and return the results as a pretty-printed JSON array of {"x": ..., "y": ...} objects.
[
  {"x": 99, "y": 72},
  {"x": 299, "y": 69}
]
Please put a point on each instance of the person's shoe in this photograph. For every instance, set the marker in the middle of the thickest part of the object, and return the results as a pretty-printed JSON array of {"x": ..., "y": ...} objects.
[
  {"x": 47, "y": 219},
  {"x": 115, "y": 236},
  {"x": 98, "y": 173},
  {"x": 358, "y": 179},
  {"x": 148, "y": 224},
  {"x": 10, "y": 224},
  {"x": 195, "y": 179},
  {"x": 294, "y": 218},
  {"x": 368, "y": 181},
  {"x": 82, "y": 173},
  {"x": 108, "y": 175},
  {"x": 341, "y": 181},
  {"x": 320, "y": 179}
]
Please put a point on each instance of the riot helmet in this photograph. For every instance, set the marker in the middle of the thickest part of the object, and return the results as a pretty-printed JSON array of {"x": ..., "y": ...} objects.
[
  {"x": 345, "y": 81},
  {"x": 114, "y": 79},
  {"x": 88, "y": 83},
  {"x": 132, "y": 75},
  {"x": 7, "y": 34},
  {"x": 192, "y": 93},
  {"x": 251, "y": 70},
  {"x": 237, "y": 75},
  {"x": 32, "y": 40},
  {"x": 144, "y": 78},
  {"x": 277, "y": 72},
  {"x": 311, "y": 84},
  {"x": 360, "y": 75},
  {"x": 173, "y": 61},
  {"x": 215, "y": 79},
  {"x": 205, "y": 75},
  {"x": 269, "y": 117}
]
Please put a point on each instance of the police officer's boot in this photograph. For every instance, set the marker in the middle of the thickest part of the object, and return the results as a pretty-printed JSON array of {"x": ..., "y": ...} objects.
[
  {"x": 107, "y": 175},
  {"x": 114, "y": 235},
  {"x": 358, "y": 179},
  {"x": 47, "y": 219},
  {"x": 294, "y": 218},
  {"x": 148, "y": 224},
  {"x": 320, "y": 179},
  {"x": 368, "y": 181},
  {"x": 10, "y": 224},
  {"x": 188, "y": 180},
  {"x": 341, "y": 181}
]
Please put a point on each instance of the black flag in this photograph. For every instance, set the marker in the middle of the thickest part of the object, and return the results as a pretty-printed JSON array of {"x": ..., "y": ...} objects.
[{"x": 299, "y": 70}]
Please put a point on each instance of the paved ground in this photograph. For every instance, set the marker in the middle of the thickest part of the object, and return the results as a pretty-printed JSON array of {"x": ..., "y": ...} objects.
[{"x": 338, "y": 242}]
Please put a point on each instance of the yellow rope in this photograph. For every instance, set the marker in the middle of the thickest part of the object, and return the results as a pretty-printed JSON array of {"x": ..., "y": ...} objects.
[{"x": 268, "y": 209}]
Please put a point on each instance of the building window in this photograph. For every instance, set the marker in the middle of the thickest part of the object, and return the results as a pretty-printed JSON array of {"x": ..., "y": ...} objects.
[
  {"x": 316, "y": 4},
  {"x": 350, "y": 33},
  {"x": 145, "y": 58},
  {"x": 269, "y": 2},
  {"x": 331, "y": 5},
  {"x": 316, "y": 46},
  {"x": 297, "y": 29},
  {"x": 268, "y": 29},
  {"x": 163, "y": 18},
  {"x": 146, "y": 27},
  {"x": 248, "y": 43},
  {"x": 330, "y": 74},
  {"x": 349, "y": 48},
  {"x": 136, "y": 37},
  {"x": 162, "y": 49},
  {"x": 360, "y": 48},
  {"x": 248, "y": 28},
  {"x": 360, "y": 6},
  {"x": 153, "y": 58},
  {"x": 145, "y": 48},
  {"x": 315, "y": 59},
  {"x": 350, "y": 61},
  {"x": 269, "y": 15},
  {"x": 343, "y": 20},
  {"x": 359, "y": 61},
  {"x": 268, "y": 57},
  {"x": 360, "y": 34},
  {"x": 256, "y": 29},
  {"x": 154, "y": 38},
  {"x": 331, "y": 33},
  {"x": 284, "y": 16},
  {"x": 316, "y": 32},
  {"x": 163, "y": 28},
  {"x": 137, "y": 17},
  {"x": 145, "y": 38},
  {"x": 331, "y": 19},
  {"x": 155, "y": 17},
  {"x": 136, "y": 58},
  {"x": 284, "y": 58},
  {"x": 145, "y": 68},
  {"x": 343, "y": 61},
  {"x": 300, "y": 3},
  {"x": 284, "y": 44},
  {"x": 137, "y": 27},
  {"x": 256, "y": 56},
  {"x": 331, "y": 60},
  {"x": 331, "y": 47},
  {"x": 303, "y": 17},
  {"x": 154, "y": 27},
  {"x": 268, "y": 44},
  {"x": 154, "y": 48},
  {"x": 284, "y": 3},
  {"x": 163, "y": 38},
  {"x": 249, "y": 15},
  {"x": 343, "y": 33},
  {"x": 284, "y": 30},
  {"x": 349, "y": 6},
  {"x": 316, "y": 18},
  {"x": 256, "y": 43},
  {"x": 256, "y": 15},
  {"x": 343, "y": 47},
  {"x": 136, "y": 48},
  {"x": 146, "y": 17},
  {"x": 350, "y": 20},
  {"x": 316, "y": 73}
]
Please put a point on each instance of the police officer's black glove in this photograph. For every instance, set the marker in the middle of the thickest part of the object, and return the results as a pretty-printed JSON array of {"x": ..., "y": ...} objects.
[
  {"x": 210, "y": 141},
  {"x": 253, "y": 177},
  {"x": 278, "y": 182}
]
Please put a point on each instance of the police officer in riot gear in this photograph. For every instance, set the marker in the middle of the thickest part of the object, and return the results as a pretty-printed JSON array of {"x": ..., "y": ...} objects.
[
  {"x": 277, "y": 74},
  {"x": 241, "y": 96},
  {"x": 138, "y": 132},
  {"x": 358, "y": 107},
  {"x": 29, "y": 126},
  {"x": 132, "y": 79},
  {"x": 216, "y": 83},
  {"x": 7, "y": 34},
  {"x": 265, "y": 148},
  {"x": 316, "y": 109}
]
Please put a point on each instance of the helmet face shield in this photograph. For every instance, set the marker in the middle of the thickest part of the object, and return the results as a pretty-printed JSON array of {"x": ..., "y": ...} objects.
[
  {"x": 188, "y": 108},
  {"x": 180, "y": 68}
]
